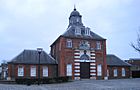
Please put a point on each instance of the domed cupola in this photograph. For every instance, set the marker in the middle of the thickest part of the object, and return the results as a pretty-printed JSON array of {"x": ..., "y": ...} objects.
[
  {"x": 75, "y": 18},
  {"x": 75, "y": 13}
]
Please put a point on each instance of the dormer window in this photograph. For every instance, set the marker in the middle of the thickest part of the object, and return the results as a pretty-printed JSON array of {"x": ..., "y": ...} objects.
[
  {"x": 87, "y": 31},
  {"x": 78, "y": 31}
]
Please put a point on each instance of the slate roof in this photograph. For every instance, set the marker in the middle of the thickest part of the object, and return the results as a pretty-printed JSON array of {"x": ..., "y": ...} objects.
[
  {"x": 113, "y": 60},
  {"x": 32, "y": 57},
  {"x": 71, "y": 33}
]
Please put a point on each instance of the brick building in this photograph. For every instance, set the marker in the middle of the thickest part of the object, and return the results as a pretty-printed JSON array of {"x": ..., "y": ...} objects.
[
  {"x": 80, "y": 52},
  {"x": 25, "y": 65},
  {"x": 117, "y": 68},
  {"x": 135, "y": 68}
]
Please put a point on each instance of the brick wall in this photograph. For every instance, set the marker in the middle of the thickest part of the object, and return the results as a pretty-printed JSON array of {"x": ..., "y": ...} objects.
[
  {"x": 13, "y": 70},
  {"x": 119, "y": 72}
]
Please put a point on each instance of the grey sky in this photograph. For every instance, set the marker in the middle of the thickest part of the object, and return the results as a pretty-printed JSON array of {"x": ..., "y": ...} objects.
[{"x": 28, "y": 24}]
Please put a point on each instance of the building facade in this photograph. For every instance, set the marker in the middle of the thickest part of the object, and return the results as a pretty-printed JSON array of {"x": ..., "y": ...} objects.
[
  {"x": 117, "y": 68},
  {"x": 25, "y": 65},
  {"x": 80, "y": 52},
  {"x": 135, "y": 68}
]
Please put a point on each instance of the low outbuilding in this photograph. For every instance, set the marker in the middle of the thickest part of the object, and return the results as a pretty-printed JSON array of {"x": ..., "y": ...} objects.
[
  {"x": 26, "y": 65},
  {"x": 117, "y": 68}
]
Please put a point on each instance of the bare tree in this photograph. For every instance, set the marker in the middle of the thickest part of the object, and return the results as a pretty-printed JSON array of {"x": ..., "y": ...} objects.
[{"x": 136, "y": 46}]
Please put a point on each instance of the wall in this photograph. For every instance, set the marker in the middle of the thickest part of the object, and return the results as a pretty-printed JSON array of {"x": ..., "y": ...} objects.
[
  {"x": 13, "y": 70},
  {"x": 65, "y": 55},
  {"x": 119, "y": 74}
]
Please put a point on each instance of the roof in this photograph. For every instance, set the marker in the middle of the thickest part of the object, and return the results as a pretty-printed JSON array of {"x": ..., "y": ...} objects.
[
  {"x": 75, "y": 13},
  {"x": 71, "y": 34},
  {"x": 113, "y": 60},
  {"x": 32, "y": 57}
]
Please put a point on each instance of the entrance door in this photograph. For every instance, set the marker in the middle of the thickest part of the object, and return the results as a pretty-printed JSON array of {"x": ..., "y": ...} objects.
[{"x": 84, "y": 70}]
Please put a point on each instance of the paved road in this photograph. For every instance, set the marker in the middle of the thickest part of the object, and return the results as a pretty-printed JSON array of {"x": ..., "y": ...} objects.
[{"x": 119, "y": 84}]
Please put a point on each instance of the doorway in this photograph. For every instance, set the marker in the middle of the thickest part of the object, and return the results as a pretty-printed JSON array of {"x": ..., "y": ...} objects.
[{"x": 84, "y": 70}]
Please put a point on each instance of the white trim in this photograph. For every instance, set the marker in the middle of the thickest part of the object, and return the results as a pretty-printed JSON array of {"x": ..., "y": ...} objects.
[
  {"x": 77, "y": 74},
  {"x": 33, "y": 71},
  {"x": 92, "y": 70},
  {"x": 76, "y": 56},
  {"x": 93, "y": 67},
  {"x": 77, "y": 70},
  {"x": 92, "y": 73},
  {"x": 92, "y": 57},
  {"x": 76, "y": 50},
  {"x": 76, "y": 78},
  {"x": 76, "y": 53},
  {"x": 92, "y": 54},
  {"x": 76, "y": 63},
  {"x": 45, "y": 71},
  {"x": 20, "y": 71},
  {"x": 77, "y": 67},
  {"x": 69, "y": 69},
  {"x": 92, "y": 63},
  {"x": 99, "y": 70},
  {"x": 77, "y": 60}
]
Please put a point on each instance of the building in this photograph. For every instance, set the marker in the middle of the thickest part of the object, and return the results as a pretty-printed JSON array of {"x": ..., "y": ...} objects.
[
  {"x": 117, "y": 68},
  {"x": 3, "y": 71},
  {"x": 25, "y": 65},
  {"x": 135, "y": 62},
  {"x": 80, "y": 52}
]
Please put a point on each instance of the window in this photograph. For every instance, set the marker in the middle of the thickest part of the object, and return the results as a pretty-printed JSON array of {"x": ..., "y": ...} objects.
[
  {"x": 45, "y": 71},
  {"x": 33, "y": 71},
  {"x": 87, "y": 31},
  {"x": 115, "y": 73},
  {"x": 69, "y": 43},
  {"x": 98, "y": 45},
  {"x": 99, "y": 69},
  {"x": 108, "y": 72},
  {"x": 77, "y": 31},
  {"x": 69, "y": 69},
  {"x": 20, "y": 71},
  {"x": 123, "y": 72}
]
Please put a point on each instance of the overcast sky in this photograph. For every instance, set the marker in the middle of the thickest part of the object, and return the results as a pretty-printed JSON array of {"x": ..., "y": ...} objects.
[{"x": 28, "y": 24}]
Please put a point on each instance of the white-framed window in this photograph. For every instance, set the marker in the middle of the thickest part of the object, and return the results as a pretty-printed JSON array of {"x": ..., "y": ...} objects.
[
  {"x": 108, "y": 72},
  {"x": 69, "y": 43},
  {"x": 20, "y": 71},
  {"x": 45, "y": 71},
  {"x": 69, "y": 69},
  {"x": 78, "y": 31},
  {"x": 87, "y": 31},
  {"x": 115, "y": 72},
  {"x": 98, "y": 45},
  {"x": 99, "y": 70},
  {"x": 33, "y": 71},
  {"x": 123, "y": 72}
]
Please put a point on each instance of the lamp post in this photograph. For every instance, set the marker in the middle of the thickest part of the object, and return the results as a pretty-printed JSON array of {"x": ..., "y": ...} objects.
[{"x": 39, "y": 52}]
